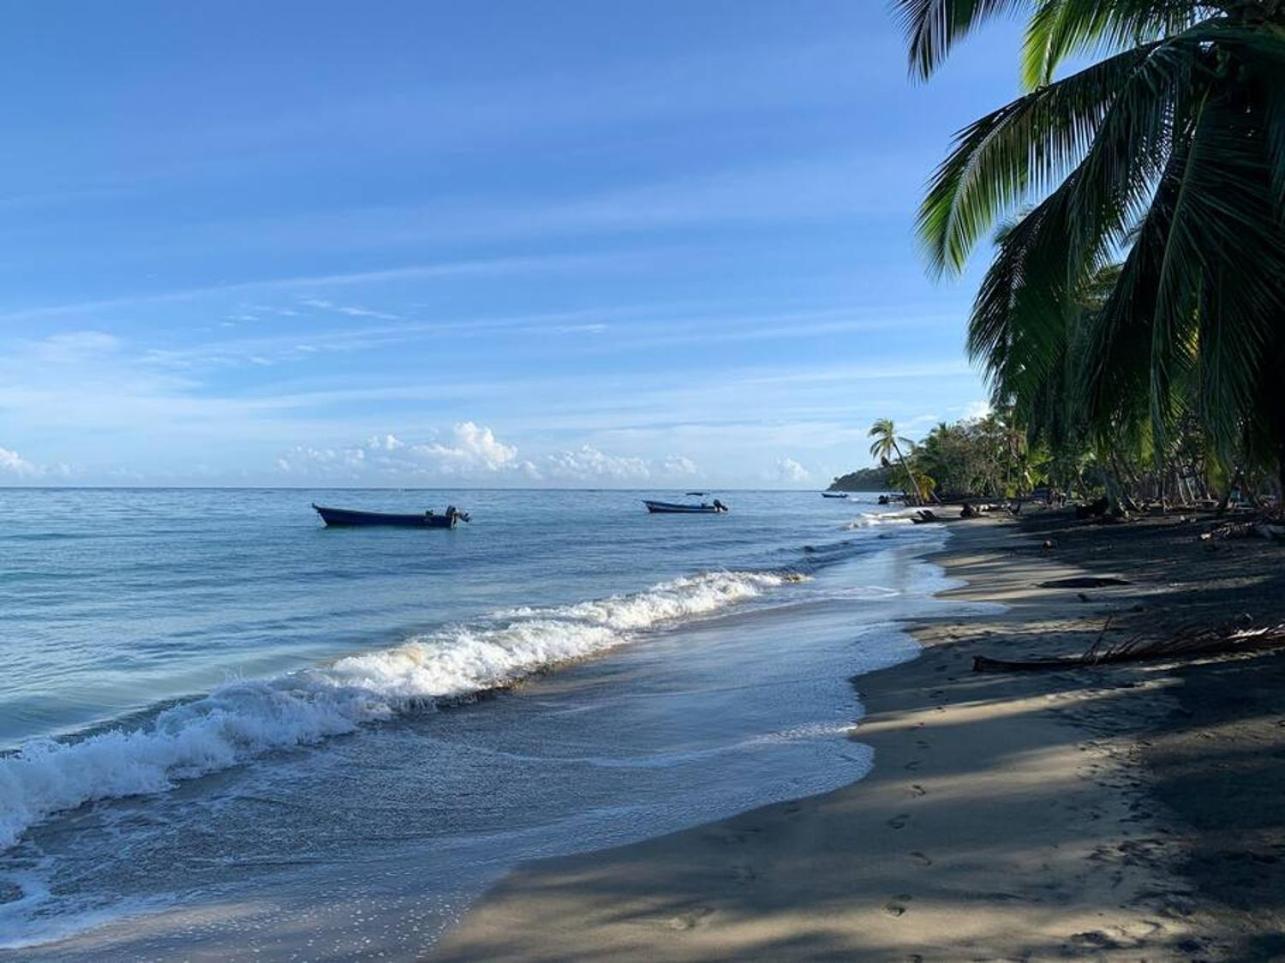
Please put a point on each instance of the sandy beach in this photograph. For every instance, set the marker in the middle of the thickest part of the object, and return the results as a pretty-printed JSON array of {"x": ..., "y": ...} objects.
[{"x": 1084, "y": 813}]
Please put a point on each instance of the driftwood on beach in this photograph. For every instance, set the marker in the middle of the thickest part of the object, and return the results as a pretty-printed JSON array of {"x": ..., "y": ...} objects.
[
  {"x": 1185, "y": 643},
  {"x": 1271, "y": 531}
]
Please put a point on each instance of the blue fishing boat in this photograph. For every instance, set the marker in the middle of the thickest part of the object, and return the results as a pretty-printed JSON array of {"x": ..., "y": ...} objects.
[
  {"x": 834, "y": 494},
  {"x": 673, "y": 508},
  {"x": 348, "y": 517}
]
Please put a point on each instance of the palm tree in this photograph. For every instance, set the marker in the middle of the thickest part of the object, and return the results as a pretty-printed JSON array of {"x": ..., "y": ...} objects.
[
  {"x": 1169, "y": 152},
  {"x": 887, "y": 443}
]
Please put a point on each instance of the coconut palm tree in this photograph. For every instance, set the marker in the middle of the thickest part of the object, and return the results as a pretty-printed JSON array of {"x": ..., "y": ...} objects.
[
  {"x": 1166, "y": 154},
  {"x": 888, "y": 443}
]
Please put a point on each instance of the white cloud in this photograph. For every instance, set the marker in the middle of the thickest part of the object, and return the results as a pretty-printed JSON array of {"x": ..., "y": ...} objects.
[
  {"x": 472, "y": 448},
  {"x": 679, "y": 465},
  {"x": 473, "y": 452},
  {"x": 587, "y": 463},
  {"x": 11, "y": 463},
  {"x": 483, "y": 267},
  {"x": 351, "y": 310},
  {"x": 978, "y": 409},
  {"x": 595, "y": 328},
  {"x": 13, "y": 466},
  {"x": 789, "y": 470},
  {"x": 326, "y": 462},
  {"x": 73, "y": 346},
  {"x": 386, "y": 442}
]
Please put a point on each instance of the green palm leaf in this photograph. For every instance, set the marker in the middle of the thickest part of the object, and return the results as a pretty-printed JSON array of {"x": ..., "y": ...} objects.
[
  {"x": 934, "y": 26},
  {"x": 1062, "y": 28}
]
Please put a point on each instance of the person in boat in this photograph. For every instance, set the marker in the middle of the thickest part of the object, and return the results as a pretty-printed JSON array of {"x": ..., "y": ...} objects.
[{"x": 719, "y": 505}]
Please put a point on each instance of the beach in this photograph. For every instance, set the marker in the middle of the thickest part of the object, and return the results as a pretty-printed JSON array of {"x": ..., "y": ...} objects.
[{"x": 1115, "y": 813}]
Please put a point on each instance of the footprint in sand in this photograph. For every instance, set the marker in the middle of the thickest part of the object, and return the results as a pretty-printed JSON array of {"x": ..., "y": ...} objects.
[
  {"x": 689, "y": 920},
  {"x": 920, "y": 858},
  {"x": 897, "y": 905},
  {"x": 917, "y": 790},
  {"x": 726, "y": 838},
  {"x": 896, "y": 822},
  {"x": 913, "y": 765}
]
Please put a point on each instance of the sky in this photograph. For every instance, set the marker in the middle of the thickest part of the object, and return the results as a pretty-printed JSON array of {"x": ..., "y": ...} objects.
[{"x": 577, "y": 244}]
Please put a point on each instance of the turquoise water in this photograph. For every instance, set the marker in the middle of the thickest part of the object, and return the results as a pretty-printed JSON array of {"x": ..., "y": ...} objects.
[{"x": 208, "y": 700}]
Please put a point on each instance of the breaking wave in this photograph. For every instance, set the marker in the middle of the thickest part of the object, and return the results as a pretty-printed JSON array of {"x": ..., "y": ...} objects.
[
  {"x": 871, "y": 519},
  {"x": 242, "y": 719}
]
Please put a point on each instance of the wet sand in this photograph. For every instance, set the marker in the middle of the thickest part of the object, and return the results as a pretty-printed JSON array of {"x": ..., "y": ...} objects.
[{"x": 1009, "y": 816}]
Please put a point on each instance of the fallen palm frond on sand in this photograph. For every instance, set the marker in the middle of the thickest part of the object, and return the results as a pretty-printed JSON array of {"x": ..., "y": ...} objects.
[
  {"x": 1273, "y": 531},
  {"x": 1185, "y": 643}
]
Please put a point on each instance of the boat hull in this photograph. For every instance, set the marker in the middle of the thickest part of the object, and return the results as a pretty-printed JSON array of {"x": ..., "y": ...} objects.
[
  {"x": 672, "y": 508},
  {"x": 834, "y": 494},
  {"x": 350, "y": 518}
]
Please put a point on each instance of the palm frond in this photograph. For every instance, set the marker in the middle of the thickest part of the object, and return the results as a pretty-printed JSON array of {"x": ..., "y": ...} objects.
[
  {"x": 1059, "y": 29},
  {"x": 1123, "y": 106},
  {"x": 934, "y": 26}
]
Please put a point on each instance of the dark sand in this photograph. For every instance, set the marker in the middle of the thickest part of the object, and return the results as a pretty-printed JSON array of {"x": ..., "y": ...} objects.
[
  {"x": 1127, "y": 813},
  {"x": 1216, "y": 763}
]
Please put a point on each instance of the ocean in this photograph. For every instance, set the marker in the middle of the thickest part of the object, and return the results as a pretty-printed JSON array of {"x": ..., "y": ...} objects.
[{"x": 228, "y": 732}]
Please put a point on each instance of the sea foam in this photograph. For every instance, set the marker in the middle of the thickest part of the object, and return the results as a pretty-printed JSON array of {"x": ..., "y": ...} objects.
[
  {"x": 872, "y": 519},
  {"x": 242, "y": 719}
]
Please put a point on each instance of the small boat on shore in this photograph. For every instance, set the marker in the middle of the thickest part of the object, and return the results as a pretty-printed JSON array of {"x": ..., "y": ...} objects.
[
  {"x": 674, "y": 508},
  {"x": 349, "y": 517},
  {"x": 834, "y": 494}
]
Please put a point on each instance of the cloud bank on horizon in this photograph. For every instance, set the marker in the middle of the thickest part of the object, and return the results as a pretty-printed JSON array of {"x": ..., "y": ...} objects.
[
  {"x": 458, "y": 247},
  {"x": 472, "y": 454}
]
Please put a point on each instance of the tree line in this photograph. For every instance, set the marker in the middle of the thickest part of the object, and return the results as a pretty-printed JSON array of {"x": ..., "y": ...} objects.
[
  {"x": 1131, "y": 324},
  {"x": 994, "y": 457}
]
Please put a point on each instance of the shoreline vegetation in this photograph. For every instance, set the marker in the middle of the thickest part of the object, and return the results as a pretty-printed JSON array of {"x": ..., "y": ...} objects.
[
  {"x": 1116, "y": 812},
  {"x": 996, "y": 458}
]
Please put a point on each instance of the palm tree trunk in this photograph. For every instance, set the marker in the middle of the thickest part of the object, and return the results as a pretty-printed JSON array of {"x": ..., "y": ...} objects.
[
  {"x": 1279, "y": 392},
  {"x": 1280, "y": 462},
  {"x": 1280, "y": 437},
  {"x": 910, "y": 476},
  {"x": 1237, "y": 481}
]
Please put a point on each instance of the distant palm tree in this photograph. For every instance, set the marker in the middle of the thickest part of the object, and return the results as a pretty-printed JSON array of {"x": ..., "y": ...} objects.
[
  {"x": 887, "y": 443},
  {"x": 1169, "y": 151}
]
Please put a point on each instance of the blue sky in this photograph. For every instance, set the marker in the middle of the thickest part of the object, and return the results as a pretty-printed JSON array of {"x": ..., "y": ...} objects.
[{"x": 581, "y": 243}]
